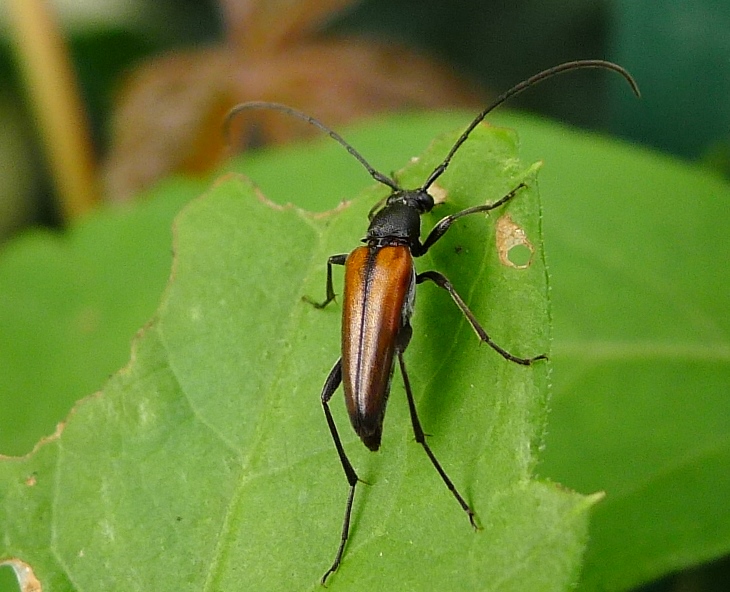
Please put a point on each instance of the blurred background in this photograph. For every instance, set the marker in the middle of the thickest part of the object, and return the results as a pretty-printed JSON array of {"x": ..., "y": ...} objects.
[{"x": 155, "y": 78}]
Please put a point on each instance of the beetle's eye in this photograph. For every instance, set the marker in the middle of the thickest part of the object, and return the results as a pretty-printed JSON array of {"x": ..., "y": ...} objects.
[{"x": 425, "y": 202}]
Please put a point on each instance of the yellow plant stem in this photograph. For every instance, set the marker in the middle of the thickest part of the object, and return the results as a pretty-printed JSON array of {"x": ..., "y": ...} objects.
[{"x": 57, "y": 107}]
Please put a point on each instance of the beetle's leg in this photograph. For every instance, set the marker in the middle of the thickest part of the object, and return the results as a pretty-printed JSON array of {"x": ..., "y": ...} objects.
[
  {"x": 421, "y": 439},
  {"x": 333, "y": 260},
  {"x": 330, "y": 386},
  {"x": 445, "y": 223},
  {"x": 441, "y": 281}
]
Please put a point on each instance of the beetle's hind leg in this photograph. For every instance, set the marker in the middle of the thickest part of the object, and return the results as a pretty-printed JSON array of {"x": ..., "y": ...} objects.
[
  {"x": 441, "y": 281},
  {"x": 421, "y": 439},
  {"x": 330, "y": 386},
  {"x": 333, "y": 260}
]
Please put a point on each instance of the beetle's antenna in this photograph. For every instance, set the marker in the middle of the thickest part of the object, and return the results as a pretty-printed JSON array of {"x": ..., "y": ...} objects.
[
  {"x": 517, "y": 89},
  {"x": 378, "y": 176}
]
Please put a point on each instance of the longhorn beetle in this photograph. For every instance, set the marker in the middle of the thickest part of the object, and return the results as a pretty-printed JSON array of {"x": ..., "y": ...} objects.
[{"x": 379, "y": 292}]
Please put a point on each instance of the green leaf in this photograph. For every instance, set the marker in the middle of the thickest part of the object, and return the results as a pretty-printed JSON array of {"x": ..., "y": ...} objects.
[
  {"x": 70, "y": 305},
  {"x": 206, "y": 462},
  {"x": 638, "y": 250},
  {"x": 640, "y": 375},
  {"x": 636, "y": 246}
]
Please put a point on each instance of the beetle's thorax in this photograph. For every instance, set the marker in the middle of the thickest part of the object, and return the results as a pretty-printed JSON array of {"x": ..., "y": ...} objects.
[{"x": 398, "y": 222}]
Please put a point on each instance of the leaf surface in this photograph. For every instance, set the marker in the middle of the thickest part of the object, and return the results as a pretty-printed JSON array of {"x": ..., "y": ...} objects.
[
  {"x": 640, "y": 409},
  {"x": 206, "y": 462}
]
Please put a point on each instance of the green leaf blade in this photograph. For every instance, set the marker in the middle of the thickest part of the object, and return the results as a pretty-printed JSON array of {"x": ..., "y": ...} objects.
[
  {"x": 640, "y": 407},
  {"x": 207, "y": 464}
]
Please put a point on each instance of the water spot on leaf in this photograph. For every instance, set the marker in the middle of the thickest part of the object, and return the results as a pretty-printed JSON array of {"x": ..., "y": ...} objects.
[
  {"x": 145, "y": 413},
  {"x": 88, "y": 319},
  {"x": 107, "y": 530}
]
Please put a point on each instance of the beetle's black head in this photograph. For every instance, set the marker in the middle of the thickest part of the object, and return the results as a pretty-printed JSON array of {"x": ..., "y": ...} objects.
[
  {"x": 399, "y": 220},
  {"x": 418, "y": 199}
]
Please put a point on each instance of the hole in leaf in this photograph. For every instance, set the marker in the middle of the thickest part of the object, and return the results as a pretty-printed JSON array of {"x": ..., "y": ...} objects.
[
  {"x": 519, "y": 256},
  {"x": 24, "y": 574},
  {"x": 8, "y": 581}
]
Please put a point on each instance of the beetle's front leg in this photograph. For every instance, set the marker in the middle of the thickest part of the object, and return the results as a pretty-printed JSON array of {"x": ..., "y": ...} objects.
[
  {"x": 333, "y": 260},
  {"x": 445, "y": 223}
]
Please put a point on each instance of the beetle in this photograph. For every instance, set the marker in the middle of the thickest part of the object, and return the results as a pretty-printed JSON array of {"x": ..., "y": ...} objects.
[{"x": 379, "y": 293}]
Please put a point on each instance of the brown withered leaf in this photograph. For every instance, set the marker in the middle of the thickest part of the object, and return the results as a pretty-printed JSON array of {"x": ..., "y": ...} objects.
[
  {"x": 169, "y": 117},
  {"x": 257, "y": 26}
]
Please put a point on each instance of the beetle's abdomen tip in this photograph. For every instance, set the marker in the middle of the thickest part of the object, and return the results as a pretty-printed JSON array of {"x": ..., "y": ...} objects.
[
  {"x": 370, "y": 434},
  {"x": 372, "y": 441}
]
